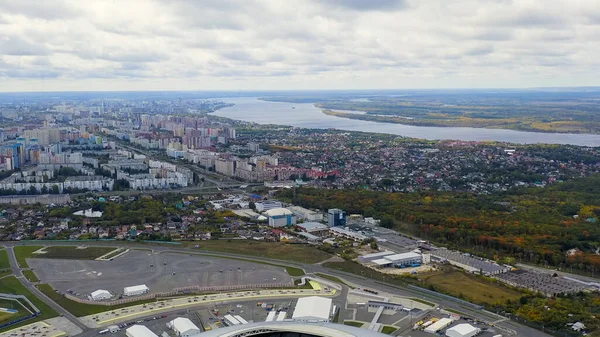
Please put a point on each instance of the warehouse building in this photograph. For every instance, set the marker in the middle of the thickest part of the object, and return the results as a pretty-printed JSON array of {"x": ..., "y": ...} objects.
[
  {"x": 463, "y": 330},
  {"x": 280, "y": 217},
  {"x": 267, "y": 205},
  {"x": 410, "y": 259},
  {"x": 374, "y": 256},
  {"x": 136, "y": 290},
  {"x": 100, "y": 295},
  {"x": 346, "y": 233},
  {"x": 439, "y": 325},
  {"x": 313, "y": 228},
  {"x": 183, "y": 327},
  {"x": 306, "y": 214},
  {"x": 312, "y": 308},
  {"x": 139, "y": 331}
]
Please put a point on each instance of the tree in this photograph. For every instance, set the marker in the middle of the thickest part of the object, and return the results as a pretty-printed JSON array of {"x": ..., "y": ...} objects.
[
  {"x": 54, "y": 189},
  {"x": 374, "y": 245},
  {"x": 33, "y": 190},
  {"x": 252, "y": 205},
  {"x": 44, "y": 189}
]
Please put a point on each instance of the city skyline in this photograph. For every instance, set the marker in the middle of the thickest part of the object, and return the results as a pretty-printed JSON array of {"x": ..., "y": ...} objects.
[{"x": 267, "y": 45}]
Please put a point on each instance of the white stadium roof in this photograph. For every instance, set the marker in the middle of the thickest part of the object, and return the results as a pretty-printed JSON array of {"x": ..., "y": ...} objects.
[
  {"x": 313, "y": 306},
  {"x": 139, "y": 331},
  {"x": 278, "y": 212},
  {"x": 320, "y": 329}
]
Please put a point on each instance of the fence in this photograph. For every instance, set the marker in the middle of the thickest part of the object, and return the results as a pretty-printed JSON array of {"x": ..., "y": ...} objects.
[{"x": 180, "y": 291}]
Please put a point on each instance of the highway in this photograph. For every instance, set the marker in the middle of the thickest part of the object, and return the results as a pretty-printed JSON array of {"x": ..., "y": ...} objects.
[{"x": 509, "y": 327}]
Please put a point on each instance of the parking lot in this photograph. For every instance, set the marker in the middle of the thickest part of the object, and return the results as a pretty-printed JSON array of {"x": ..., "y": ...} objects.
[
  {"x": 542, "y": 282},
  {"x": 160, "y": 272}
]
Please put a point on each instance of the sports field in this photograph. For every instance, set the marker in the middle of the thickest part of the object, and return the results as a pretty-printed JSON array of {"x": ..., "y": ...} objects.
[{"x": 11, "y": 285}]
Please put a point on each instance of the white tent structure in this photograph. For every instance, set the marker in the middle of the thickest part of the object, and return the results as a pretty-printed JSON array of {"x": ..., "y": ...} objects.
[
  {"x": 462, "y": 330},
  {"x": 183, "y": 327},
  {"x": 312, "y": 308},
  {"x": 100, "y": 295},
  {"x": 136, "y": 290},
  {"x": 439, "y": 325},
  {"x": 139, "y": 331}
]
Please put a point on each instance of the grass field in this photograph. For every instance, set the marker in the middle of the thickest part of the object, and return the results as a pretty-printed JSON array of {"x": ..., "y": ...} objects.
[
  {"x": 358, "y": 269},
  {"x": 114, "y": 253},
  {"x": 271, "y": 250},
  {"x": 334, "y": 279},
  {"x": 11, "y": 285},
  {"x": 30, "y": 275},
  {"x": 4, "y": 263},
  {"x": 470, "y": 287},
  {"x": 72, "y": 252},
  {"x": 24, "y": 252},
  {"x": 5, "y": 272},
  {"x": 80, "y": 309},
  {"x": 388, "y": 330},
  {"x": 354, "y": 323}
]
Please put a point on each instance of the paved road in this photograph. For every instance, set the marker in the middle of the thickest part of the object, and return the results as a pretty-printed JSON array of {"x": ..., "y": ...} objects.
[
  {"x": 18, "y": 272},
  {"x": 442, "y": 301}
]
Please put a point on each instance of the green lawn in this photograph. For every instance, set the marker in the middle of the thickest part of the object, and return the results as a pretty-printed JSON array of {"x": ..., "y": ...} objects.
[
  {"x": 422, "y": 301},
  {"x": 114, "y": 253},
  {"x": 5, "y": 273},
  {"x": 24, "y": 252},
  {"x": 354, "y": 323},
  {"x": 11, "y": 285},
  {"x": 294, "y": 272},
  {"x": 72, "y": 252},
  {"x": 81, "y": 309},
  {"x": 30, "y": 275},
  {"x": 8, "y": 304},
  {"x": 334, "y": 279},
  {"x": 4, "y": 263},
  {"x": 388, "y": 330},
  {"x": 271, "y": 250},
  {"x": 470, "y": 287}
]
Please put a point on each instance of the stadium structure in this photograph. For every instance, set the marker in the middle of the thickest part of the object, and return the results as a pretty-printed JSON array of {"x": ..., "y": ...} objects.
[{"x": 290, "y": 328}]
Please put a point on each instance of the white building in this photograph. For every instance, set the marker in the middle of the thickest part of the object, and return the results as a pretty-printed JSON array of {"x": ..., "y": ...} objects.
[
  {"x": 92, "y": 183},
  {"x": 100, "y": 295},
  {"x": 136, "y": 290},
  {"x": 312, "y": 308},
  {"x": 306, "y": 214},
  {"x": 280, "y": 217},
  {"x": 267, "y": 205},
  {"x": 462, "y": 330},
  {"x": 439, "y": 325},
  {"x": 139, "y": 331},
  {"x": 346, "y": 233},
  {"x": 183, "y": 327},
  {"x": 374, "y": 256}
]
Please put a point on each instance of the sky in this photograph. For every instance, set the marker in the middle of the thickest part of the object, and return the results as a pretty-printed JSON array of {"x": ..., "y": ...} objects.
[{"x": 88, "y": 45}]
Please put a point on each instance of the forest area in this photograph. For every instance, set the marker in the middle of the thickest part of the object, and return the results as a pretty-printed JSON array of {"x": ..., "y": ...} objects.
[{"x": 555, "y": 226}]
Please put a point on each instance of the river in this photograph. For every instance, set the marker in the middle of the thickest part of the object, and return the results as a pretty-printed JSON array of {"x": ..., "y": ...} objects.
[{"x": 306, "y": 115}]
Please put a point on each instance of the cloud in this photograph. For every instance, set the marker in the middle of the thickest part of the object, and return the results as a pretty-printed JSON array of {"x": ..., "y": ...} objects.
[
  {"x": 17, "y": 46},
  {"x": 368, "y": 5},
  {"x": 271, "y": 44}
]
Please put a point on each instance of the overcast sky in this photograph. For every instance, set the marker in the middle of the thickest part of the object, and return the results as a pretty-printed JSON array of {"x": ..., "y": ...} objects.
[{"x": 48, "y": 45}]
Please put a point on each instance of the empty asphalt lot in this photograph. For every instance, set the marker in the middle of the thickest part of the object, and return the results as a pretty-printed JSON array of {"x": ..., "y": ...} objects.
[{"x": 160, "y": 272}]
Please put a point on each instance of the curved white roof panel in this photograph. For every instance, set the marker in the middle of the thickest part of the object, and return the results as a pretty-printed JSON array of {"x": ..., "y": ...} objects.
[
  {"x": 316, "y": 329},
  {"x": 278, "y": 212}
]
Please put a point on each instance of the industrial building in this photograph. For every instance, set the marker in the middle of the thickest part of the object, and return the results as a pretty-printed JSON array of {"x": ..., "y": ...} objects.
[
  {"x": 280, "y": 217},
  {"x": 439, "y": 325},
  {"x": 313, "y": 228},
  {"x": 462, "y": 330},
  {"x": 374, "y": 256},
  {"x": 306, "y": 214},
  {"x": 267, "y": 205},
  {"x": 400, "y": 260},
  {"x": 312, "y": 308},
  {"x": 336, "y": 217},
  {"x": 183, "y": 327},
  {"x": 100, "y": 295},
  {"x": 136, "y": 290},
  {"x": 139, "y": 331},
  {"x": 346, "y": 233}
]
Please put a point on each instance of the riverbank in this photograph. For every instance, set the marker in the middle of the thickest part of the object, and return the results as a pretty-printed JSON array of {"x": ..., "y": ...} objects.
[{"x": 528, "y": 125}]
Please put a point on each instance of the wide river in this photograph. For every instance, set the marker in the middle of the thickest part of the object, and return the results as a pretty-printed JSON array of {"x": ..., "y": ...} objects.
[{"x": 306, "y": 115}]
